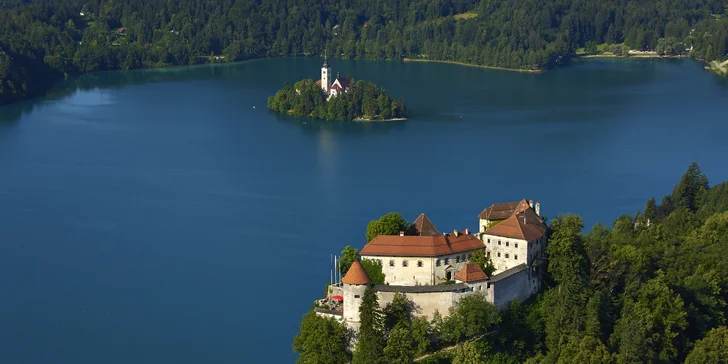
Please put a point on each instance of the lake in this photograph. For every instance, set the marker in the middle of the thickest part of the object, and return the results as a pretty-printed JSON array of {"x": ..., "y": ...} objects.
[{"x": 167, "y": 216}]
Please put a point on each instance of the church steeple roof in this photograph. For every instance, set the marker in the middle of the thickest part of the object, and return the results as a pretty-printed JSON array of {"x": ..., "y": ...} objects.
[{"x": 326, "y": 61}]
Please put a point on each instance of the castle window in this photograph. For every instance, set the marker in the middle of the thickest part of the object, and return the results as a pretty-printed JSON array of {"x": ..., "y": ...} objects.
[
  {"x": 488, "y": 240},
  {"x": 506, "y": 243},
  {"x": 380, "y": 262},
  {"x": 488, "y": 254},
  {"x": 391, "y": 262},
  {"x": 487, "y": 286},
  {"x": 419, "y": 263},
  {"x": 447, "y": 261},
  {"x": 506, "y": 255},
  {"x": 457, "y": 259},
  {"x": 499, "y": 242},
  {"x": 356, "y": 296},
  {"x": 405, "y": 263},
  {"x": 515, "y": 257},
  {"x": 515, "y": 244},
  {"x": 437, "y": 262},
  {"x": 470, "y": 256},
  {"x": 498, "y": 254}
]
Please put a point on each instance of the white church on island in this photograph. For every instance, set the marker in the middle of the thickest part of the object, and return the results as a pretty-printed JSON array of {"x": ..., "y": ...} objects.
[
  {"x": 330, "y": 86},
  {"x": 433, "y": 269}
]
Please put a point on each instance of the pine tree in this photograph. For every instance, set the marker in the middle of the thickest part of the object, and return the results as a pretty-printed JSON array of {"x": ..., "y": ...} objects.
[{"x": 370, "y": 347}]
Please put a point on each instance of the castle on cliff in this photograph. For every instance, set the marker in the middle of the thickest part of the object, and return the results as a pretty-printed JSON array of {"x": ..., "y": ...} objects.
[{"x": 512, "y": 234}]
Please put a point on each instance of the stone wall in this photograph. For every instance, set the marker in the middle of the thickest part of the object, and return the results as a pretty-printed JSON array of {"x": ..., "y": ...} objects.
[
  {"x": 519, "y": 282},
  {"x": 425, "y": 299}
]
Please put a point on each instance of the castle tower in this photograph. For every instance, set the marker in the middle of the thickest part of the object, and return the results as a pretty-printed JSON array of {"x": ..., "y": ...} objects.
[
  {"x": 355, "y": 282},
  {"x": 326, "y": 75}
]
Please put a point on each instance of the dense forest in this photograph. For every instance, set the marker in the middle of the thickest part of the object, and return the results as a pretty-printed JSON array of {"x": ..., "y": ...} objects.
[
  {"x": 653, "y": 288},
  {"x": 364, "y": 101},
  {"x": 42, "y": 40}
]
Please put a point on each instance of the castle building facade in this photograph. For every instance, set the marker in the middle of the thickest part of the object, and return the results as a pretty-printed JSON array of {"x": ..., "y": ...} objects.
[{"x": 433, "y": 269}]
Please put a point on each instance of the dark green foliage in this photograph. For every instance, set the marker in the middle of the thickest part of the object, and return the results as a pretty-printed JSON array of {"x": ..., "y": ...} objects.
[
  {"x": 400, "y": 349},
  {"x": 484, "y": 262},
  {"x": 348, "y": 256},
  {"x": 364, "y": 101},
  {"x": 321, "y": 340},
  {"x": 372, "y": 267},
  {"x": 712, "y": 349},
  {"x": 374, "y": 270},
  {"x": 42, "y": 41},
  {"x": 389, "y": 224},
  {"x": 471, "y": 316},
  {"x": 397, "y": 312},
  {"x": 370, "y": 347}
]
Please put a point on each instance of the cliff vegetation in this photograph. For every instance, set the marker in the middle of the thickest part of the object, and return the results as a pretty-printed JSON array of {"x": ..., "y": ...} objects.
[{"x": 652, "y": 288}]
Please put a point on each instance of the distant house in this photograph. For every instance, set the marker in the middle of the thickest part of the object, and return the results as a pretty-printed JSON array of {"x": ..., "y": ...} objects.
[{"x": 121, "y": 31}]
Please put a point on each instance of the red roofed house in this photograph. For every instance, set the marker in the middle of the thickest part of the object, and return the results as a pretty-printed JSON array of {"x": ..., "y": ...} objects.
[{"x": 426, "y": 258}]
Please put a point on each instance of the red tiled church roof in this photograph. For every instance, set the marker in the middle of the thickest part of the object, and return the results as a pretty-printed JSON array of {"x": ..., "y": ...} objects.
[
  {"x": 471, "y": 272},
  {"x": 356, "y": 275}
]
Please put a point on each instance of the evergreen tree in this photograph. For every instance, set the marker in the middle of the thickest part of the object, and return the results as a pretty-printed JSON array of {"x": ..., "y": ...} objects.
[
  {"x": 370, "y": 347},
  {"x": 400, "y": 348}
]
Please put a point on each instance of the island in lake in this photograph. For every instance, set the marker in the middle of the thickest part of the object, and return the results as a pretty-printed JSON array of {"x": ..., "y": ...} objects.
[{"x": 338, "y": 99}]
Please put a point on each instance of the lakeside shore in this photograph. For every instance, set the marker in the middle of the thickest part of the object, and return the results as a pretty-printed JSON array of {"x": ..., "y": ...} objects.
[
  {"x": 377, "y": 120},
  {"x": 471, "y": 65}
]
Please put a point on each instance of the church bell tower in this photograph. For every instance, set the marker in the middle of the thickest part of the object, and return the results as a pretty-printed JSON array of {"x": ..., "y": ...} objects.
[{"x": 326, "y": 75}]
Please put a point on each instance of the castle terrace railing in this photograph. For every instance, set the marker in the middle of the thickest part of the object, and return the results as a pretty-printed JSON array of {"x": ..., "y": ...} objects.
[
  {"x": 330, "y": 312},
  {"x": 458, "y": 287}
]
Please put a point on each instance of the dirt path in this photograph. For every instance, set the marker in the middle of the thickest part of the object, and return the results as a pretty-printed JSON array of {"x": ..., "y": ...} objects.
[{"x": 449, "y": 348}]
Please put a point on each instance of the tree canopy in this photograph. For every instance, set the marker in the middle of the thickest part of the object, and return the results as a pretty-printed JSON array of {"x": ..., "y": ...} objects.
[
  {"x": 390, "y": 224},
  {"x": 363, "y": 101},
  {"x": 41, "y": 41}
]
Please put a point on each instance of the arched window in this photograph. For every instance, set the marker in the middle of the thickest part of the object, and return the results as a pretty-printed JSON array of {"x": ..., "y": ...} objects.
[
  {"x": 391, "y": 262},
  {"x": 419, "y": 263},
  {"x": 405, "y": 263}
]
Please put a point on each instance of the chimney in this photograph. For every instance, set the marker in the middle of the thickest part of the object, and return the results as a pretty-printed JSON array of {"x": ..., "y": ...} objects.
[
  {"x": 455, "y": 232},
  {"x": 401, "y": 233},
  {"x": 467, "y": 231},
  {"x": 530, "y": 203},
  {"x": 538, "y": 209}
]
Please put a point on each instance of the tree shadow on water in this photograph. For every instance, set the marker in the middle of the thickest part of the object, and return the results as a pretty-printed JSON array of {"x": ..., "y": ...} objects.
[{"x": 315, "y": 126}]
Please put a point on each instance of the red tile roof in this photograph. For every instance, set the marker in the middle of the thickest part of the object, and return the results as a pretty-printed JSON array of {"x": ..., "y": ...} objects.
[
  {"x": 420, "y": 245},
  {"x": 524, "y": 225},
  {"x": 501, "y": 211},
  {"x": 356, "y": 275},
  {"x": 464, "y": 242},
  {"x": 471, "y": 272},
  {"x": 423, "y": 226}
]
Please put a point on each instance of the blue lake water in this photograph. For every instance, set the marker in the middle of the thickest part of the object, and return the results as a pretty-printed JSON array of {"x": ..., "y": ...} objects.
[{"x": 169, "y": 217}]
